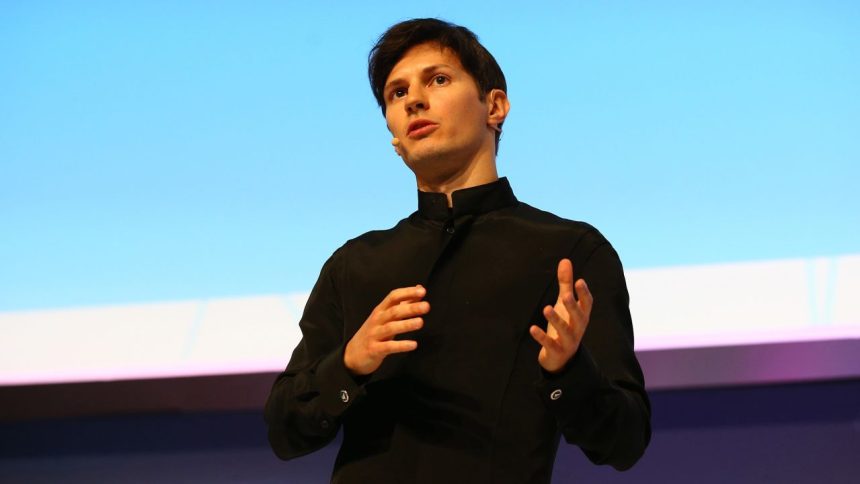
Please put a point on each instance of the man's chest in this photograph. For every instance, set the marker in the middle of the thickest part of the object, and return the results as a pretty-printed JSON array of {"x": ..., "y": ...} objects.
[{"x": 486, "y": 283}]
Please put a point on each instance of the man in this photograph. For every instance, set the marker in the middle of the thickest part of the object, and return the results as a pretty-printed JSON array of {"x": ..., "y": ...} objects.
[{"x": 457, "y": 346}]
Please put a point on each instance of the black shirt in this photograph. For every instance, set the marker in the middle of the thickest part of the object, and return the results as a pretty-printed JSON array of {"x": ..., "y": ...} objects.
[{"x": 471, "y": 404}]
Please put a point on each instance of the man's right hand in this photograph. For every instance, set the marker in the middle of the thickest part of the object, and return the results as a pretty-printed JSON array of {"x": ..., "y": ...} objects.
[{"x": 400, "y": 312}]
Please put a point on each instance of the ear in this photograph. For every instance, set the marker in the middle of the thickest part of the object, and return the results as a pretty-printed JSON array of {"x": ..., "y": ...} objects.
[{"x": 498, "y": 107}]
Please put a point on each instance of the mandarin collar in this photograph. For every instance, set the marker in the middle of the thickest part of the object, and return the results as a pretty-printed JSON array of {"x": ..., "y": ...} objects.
[{"x": 475, "y": 200}]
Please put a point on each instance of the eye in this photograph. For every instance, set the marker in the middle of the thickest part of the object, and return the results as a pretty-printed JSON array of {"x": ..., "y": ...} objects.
[
  {"x": 397, "y": 93},
  {"x": 440, "y": 80}
]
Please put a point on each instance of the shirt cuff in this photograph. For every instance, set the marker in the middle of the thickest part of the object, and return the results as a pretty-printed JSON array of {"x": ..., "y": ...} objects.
[
  {"x": 573, "y": 386},
  {"x": 339, "y": 389}
]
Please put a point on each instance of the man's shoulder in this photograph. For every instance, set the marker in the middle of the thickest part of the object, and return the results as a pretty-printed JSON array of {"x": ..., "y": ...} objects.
[
  {"x": 378, "y": 237},
  {"x": 522, "y": 221},
  {"x": 548, "y": 223}
]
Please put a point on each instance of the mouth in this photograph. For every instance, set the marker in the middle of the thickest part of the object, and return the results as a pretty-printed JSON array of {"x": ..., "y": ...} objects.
[{"x": 420, "y": 127}]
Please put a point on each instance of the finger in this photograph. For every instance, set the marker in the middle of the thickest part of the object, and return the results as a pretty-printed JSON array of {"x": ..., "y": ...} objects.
[
  {"x": 401, "y": 294},
  {"x": 384, "y": 348},
  {"x": 583, "y": 293},
  {"x": 564, "y": 330},
  {"x": 392, "y": 329},
  {"x": 565, "y": 277},
  {"x": 404, "y": 311},
  {"x": 574, "y": 310},
  {"x": 544, "y": 339},
  {"x": 407, "y": 301}
]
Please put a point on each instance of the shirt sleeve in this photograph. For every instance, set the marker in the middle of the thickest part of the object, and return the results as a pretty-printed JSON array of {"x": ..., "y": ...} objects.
[
  {"x": 599, "y": 398},
  {"x": 308, "y": 400}
]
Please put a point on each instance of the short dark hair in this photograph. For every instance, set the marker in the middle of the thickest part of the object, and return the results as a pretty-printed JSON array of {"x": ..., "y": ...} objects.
[{"x": 401, "y": 37}]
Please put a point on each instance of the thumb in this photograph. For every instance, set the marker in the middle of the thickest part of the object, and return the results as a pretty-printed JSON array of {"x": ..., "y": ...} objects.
[{"x": 565, "y": 276}]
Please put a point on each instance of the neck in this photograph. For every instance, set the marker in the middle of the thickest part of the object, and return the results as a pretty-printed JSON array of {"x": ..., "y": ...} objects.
[{"x": 468, "y": 176}]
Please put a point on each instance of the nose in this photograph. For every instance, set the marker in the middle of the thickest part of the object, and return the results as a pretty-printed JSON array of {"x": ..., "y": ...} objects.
[{"x": 416, "y": 100}]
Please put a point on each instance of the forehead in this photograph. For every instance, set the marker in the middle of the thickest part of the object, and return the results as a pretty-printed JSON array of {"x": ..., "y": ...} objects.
[{"x": 421, "y": 56}]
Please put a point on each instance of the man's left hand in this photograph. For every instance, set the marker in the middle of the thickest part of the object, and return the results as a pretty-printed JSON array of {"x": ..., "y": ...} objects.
[{"x": 567, "y": 321}]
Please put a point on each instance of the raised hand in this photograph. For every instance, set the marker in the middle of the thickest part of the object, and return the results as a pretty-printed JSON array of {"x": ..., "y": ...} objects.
[
  {"x": 567, "y": 321},
  {"x": 400, "y": 312}
]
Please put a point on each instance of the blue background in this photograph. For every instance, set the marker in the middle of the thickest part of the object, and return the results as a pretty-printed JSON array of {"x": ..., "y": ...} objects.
[{"x": 159, "y": 151}]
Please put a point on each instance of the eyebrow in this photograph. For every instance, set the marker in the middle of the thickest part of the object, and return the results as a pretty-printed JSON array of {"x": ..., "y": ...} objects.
[{"x": 424, "y": 71}]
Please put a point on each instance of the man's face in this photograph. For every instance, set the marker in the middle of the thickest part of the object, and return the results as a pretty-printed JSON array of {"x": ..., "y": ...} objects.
[{"x": 434, "y": 109}]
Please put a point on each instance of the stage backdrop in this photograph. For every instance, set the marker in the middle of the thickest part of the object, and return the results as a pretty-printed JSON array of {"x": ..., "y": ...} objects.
[{"x": 172, "y": 176}]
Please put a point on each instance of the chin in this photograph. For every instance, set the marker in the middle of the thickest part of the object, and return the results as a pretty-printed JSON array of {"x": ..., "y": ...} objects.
[
  {"x": 424, "y": 156},
  {"x": 432, "y": 166},
  {"x": 432, "y": 152}
]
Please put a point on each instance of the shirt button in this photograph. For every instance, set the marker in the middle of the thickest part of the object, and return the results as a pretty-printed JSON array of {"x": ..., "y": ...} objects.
[
  {"x": 344, "y": 396},
  {"x": 555, "y": 395},
  {"x": 324, "y": 424},
  {"x": 450, "y": 230}
]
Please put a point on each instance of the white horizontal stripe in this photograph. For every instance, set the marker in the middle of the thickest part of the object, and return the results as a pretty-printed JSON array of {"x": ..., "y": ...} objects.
[{"x": 789, "y": 300}]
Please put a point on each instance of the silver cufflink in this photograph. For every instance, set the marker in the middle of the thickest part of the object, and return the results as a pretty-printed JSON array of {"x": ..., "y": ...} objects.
[
  {"x": 344, "y": 396},
  {"x": 555, "y": 395}
]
